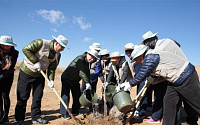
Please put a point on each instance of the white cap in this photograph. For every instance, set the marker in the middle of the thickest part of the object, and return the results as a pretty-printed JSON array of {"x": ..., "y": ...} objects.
[
  {"x": 61, "y": 40},
  {"x": 7, "y": 40}
]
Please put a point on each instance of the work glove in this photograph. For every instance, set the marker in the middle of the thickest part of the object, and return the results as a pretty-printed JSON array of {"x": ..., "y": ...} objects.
[
  {"x": 88, "y": 86},
  {"x": 106, "y": 84},
  {"x": 37, "y": 65},
  {"x": 126, "y": 86},
  {"x": 118, "y": 88},
  {"x": 51, "y": 84}
]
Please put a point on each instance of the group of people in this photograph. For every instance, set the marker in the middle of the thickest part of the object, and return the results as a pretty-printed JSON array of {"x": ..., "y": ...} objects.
[{"x": 158, "y": 62}]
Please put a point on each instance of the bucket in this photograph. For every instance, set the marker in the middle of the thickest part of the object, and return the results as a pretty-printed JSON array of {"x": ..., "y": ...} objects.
[
  {"x": 123, "y": 101},
  {"x": 110, "y": 89},
  {"x": 88, "y": 97}
]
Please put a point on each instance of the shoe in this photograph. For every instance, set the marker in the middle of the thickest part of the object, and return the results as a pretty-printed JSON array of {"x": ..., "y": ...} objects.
[
  {"x": 39, "y": 121},
  {"x": 4, "y": 119},
  {"x": 65, "y": 117},
  {"x": 138, "y": 116},
  {"x": 150, "y": 120},
  {"x": 20, "y": 122}
]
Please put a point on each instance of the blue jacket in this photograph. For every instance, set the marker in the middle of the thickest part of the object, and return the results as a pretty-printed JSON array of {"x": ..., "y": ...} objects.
[{"x": 151, "y": 61}]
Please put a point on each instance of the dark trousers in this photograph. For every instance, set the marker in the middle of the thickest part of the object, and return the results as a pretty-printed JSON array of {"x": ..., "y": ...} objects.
[
  {"x": 5, "y": 86},
  {"x": 146, "y": 100},
  {"x": 24, "y": 85},
  {"x": 189, "y": 91},
  {"x": 191, "y": 115},
  {"x": 159, "y": 93},
  {"x": 65, "y": 94}
]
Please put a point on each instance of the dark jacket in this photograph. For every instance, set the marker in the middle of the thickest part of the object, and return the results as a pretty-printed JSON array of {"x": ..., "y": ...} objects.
[
  {"x": 78, "y": 69},
  {"x": 126, "y": 72},
  {"x": 13, "y": 54},
  {"x": 151, "y": 61}
]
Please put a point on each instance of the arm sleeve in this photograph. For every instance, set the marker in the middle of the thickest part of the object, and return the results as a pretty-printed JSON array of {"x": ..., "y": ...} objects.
[
  {"x": 110, "y": 74},
  {"x": 82, "y": 71},
  {"x": 125, "y": 73},
  {"x": 30, "y": 50},
  {"x": 151, "y": 61},
  {"x": 97, "y": 71},
  {"x": 13, "y": 60},
  {"x": 52, "y": 68}
]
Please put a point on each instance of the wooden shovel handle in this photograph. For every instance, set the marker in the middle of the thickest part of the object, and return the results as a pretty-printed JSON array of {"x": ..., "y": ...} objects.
[{"x": 54, "y": 90}]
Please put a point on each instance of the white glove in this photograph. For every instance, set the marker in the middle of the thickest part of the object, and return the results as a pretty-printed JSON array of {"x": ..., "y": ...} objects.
[
  {"x": 118, "y": 88},
  {"x": 126, "y": 86},
  {"x": 37, "y": 65},
  {"x": 146, "y": 82},
  {"x": 106, "y": 84},
  {"x": 51, "y": 84},
  {"x": 88, "y": 86}
]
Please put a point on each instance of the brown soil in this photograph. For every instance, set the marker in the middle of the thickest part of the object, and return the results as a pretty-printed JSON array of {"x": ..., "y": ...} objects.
[{"x": 51, "y": 105}]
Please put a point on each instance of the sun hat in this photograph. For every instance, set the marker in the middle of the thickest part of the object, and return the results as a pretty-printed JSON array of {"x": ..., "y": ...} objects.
[
  {"x": 61, "y": 40},
  {"x": 95, "y": 46},
  {"x": 148, "y": 35},
  {"x": 93, "y": 52},
  {"x": 128, "y": 46},
  {"x": 114, "y": 56},
  {"x": 139, "y": 50},
  {"x": 7, "y": 40},
  {"x": 104, "y": 52}
]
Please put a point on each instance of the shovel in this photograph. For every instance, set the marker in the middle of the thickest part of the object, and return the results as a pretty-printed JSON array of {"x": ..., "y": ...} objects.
[
  {"x": 104, "y": 96},
  {"x": 141, "y": 95},
  {"x": 54, "y": 90}
]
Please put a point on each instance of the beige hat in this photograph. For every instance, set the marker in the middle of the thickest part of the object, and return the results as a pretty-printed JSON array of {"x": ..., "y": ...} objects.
[
  {"x": 115, "y": 55},
  {"x": 7, "y": 40},
  {"x": 128, "y": 46},
  {"x": 93, "y": 52},
  {"x": 95, "y": 46},
  {"x": 139, "y": 50},
  {"x": 104, "y": 52},
  {"x": 61, "y": 40},
  {"x": 148, "y": 35}
]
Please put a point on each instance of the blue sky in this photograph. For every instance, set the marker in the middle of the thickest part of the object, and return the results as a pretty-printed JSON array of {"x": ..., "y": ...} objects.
[{"x": 113, "y": 23}]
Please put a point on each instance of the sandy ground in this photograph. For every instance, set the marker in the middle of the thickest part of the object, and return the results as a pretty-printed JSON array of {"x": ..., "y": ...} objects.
[{"x": 51, "y": 104}]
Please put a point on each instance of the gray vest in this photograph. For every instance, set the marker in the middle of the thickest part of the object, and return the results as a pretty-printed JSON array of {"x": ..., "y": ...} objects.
[
  {"x": 42, "y": 55},
  {"x": 172, "y": 60}
]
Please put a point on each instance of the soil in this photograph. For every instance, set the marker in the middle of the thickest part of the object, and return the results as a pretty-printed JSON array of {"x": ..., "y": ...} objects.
[{"x": 51, "y": 104}]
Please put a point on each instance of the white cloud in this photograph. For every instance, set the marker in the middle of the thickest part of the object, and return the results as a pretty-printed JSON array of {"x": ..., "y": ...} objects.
[
  {"x": 53, "y": 16},
  {"x": 81, "y": 23},
  {"x": 53, "y": 29},
  {"x": 86, "y": 39}
]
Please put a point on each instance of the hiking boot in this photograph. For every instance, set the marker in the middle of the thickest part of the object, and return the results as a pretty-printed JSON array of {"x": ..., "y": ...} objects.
[
  {"x": 150, "y": 120},
  {"x": 39, "y": 121},
  {"x": 4, "y": 119},
  {"x": 20, "y": 122},
  {"x": 65, "y": 117}
]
